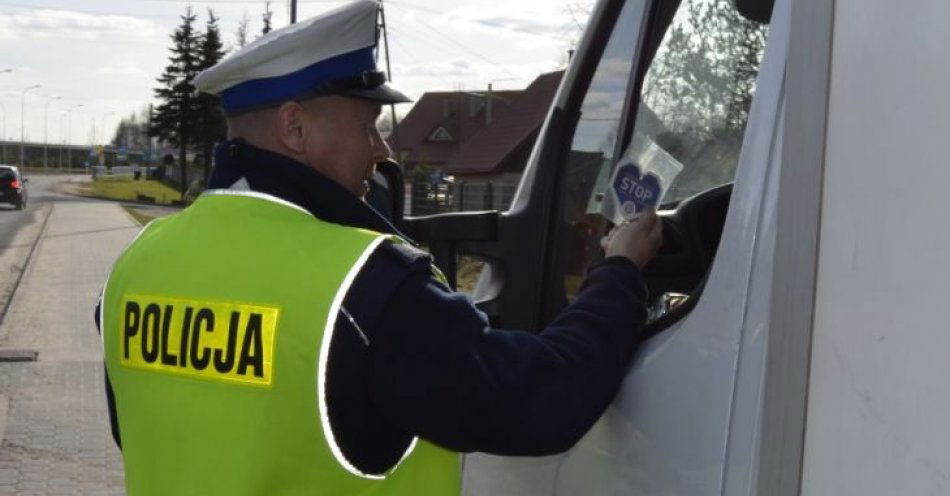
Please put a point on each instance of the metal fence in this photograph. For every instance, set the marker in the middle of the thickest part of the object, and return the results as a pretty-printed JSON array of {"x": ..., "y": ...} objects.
[
  {"x": 127, "y": 171},
  {"x": 196, "y": 174},
  {"x": 425, "y": 198}
]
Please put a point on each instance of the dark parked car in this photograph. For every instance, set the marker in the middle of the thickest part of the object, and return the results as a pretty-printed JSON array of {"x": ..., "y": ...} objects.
[{"x": 12, "y": 187}]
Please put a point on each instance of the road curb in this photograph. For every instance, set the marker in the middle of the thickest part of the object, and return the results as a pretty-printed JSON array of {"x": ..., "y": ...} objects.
[{"x": 4, "y": 410}]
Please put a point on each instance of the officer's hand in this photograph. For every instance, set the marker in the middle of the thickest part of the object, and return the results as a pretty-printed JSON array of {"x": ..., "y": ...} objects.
[{"x": 638, "y": 240}]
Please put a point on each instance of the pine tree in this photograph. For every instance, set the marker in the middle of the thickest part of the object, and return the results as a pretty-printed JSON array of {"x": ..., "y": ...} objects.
[
  {"x": 175, "y": 116},
  {"x": 268, "y": 14},
  {"x": 210, "y": 125}
]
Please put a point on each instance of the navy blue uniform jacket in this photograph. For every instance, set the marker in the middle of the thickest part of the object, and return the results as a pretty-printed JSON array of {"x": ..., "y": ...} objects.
[{"x": 433, "y": 366}]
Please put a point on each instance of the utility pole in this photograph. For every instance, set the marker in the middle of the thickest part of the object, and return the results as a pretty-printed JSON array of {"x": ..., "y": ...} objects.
[
  {"x": 62, "y": 134},
  {"x": 3, "y": 147},
  {"x": 23, "y": 123},
  {"x": 488, "y": 106},
  {"x": 3, "y": 138},
  {"x": 389, "y": 76},
  {"x": 293, "y": 11},
  {"x": 69, "y": 133}
]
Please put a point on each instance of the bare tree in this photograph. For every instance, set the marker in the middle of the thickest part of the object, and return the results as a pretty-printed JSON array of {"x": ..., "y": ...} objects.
[
  {"x": 241, "y": 33},
  {"x": 578, "y": 11},
  {"x": 132, "y": 131}
]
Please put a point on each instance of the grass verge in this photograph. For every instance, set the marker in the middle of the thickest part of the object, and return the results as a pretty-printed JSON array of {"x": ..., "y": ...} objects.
[
  {"x": 469, "y": 268},
  {"x": 139, "y": 217},
  {"x": 128, "y": 189}
]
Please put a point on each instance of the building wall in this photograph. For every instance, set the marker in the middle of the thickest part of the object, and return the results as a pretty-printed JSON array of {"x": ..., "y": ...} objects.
[{"x": 55, "y": 155}]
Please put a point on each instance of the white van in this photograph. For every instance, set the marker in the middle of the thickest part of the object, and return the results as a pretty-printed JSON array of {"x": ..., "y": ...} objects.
[{"x": 798, "y": 338}]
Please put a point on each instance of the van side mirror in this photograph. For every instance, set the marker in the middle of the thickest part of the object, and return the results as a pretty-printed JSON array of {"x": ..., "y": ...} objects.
[
  {"x": 387, "y": 191},
  {"x": 444, "y": 234},
  {"x": 756, "y": 10}
]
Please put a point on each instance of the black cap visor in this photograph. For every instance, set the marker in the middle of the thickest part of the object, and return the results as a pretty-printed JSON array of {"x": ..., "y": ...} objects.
[
  {"x": 370, "y": 85},
  {"x": 383, "y": 94}
]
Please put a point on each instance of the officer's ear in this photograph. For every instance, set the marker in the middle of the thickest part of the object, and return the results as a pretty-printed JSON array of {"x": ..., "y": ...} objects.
[{"x": 291, "y": 121}]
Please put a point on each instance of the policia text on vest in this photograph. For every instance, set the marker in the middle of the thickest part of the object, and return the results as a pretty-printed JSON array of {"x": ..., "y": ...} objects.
[{"x": 212, "y": 340}]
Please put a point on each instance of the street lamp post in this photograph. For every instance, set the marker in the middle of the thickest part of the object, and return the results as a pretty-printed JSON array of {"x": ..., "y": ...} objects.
[
  {"x": 23, "y": 122},
  {"x": 62, "y": 136},
  {"x": 46, "y": 130},
  {"x": 102, "y": 156},
  {"x": 69, "y": 133},
  {"x": 3, "y": 137}
]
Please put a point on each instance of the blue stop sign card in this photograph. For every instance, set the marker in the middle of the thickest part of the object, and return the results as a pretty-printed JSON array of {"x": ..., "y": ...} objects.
[{"x": 635, "y": 192}]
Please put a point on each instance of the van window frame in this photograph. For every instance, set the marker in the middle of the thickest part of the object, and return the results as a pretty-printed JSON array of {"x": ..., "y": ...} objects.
[{"x": 552, "y": 290}]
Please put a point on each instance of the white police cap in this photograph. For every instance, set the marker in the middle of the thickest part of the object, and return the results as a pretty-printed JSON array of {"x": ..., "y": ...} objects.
[{"x": 333, "y": 53}]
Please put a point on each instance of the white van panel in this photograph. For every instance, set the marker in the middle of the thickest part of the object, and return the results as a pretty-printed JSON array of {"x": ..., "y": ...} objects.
[{"x": 879, "y": 389}]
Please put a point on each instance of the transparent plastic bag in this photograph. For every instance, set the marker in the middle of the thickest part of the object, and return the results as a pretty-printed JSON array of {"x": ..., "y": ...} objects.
[{"x": 639, "y": 181}]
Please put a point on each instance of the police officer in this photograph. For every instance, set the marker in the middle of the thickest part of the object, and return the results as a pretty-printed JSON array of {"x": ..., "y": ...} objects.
[{"x": 279, "y": 336}]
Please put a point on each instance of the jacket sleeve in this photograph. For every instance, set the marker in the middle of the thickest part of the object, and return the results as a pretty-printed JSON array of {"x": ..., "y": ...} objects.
[{"x": 440, "y": 371}]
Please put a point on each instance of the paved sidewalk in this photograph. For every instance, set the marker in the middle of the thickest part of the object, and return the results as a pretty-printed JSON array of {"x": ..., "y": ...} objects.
[{"x": 56, "y": 439}]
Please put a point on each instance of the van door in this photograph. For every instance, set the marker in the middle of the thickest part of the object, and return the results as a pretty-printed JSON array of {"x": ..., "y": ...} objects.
[{"x": 679, "y": 76}]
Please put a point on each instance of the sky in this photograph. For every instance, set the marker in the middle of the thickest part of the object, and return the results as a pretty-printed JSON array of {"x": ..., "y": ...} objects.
[{"x": 96, "y": 61}]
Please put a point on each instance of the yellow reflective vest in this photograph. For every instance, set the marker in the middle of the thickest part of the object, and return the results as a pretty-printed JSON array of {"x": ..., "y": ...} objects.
[{"x": 217, "y": 324}]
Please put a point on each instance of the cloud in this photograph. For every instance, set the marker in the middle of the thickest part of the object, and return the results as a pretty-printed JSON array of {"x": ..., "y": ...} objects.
[
  {"x": 484, "y": 20},
  {"x": 521, "y": 24},
  {"x": 66, "y": 24},
  {"x": 545, "y": 24},
  {"x": 462, "y": 65},
  {"x": 452, "y": 69}
]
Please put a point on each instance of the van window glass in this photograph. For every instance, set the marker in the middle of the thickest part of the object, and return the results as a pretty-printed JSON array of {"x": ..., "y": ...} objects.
[
  {"x": 693, "y": 108},
  {"x": 698, "y": 91},
  {"x": 594, "y": 142}
]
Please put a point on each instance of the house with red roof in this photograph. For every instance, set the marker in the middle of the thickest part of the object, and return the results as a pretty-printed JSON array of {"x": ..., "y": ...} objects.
[
  {"x": 440, "y": 122},
  {"x": 480, "y": 143}
]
